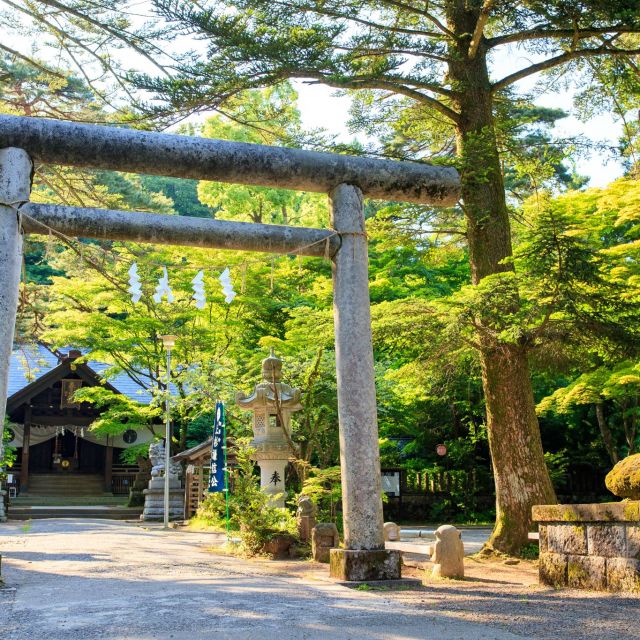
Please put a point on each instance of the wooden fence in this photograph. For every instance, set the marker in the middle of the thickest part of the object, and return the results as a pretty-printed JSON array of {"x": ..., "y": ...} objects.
[{"x": 122, "y": 479}]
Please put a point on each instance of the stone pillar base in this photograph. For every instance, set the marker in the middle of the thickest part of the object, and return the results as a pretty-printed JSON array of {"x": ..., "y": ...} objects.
[
  {"x": 352, "y": 565},
  {"x": 154, "y": 501}
]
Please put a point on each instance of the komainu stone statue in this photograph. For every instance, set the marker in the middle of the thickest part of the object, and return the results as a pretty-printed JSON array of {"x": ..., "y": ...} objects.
[
  {"x": 448, "y": 554},
  {"x": 156, "y": 455},
  {"x": 154, "y": 493}
]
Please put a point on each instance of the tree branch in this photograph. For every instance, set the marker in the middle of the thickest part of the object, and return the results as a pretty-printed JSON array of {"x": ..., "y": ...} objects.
[
  {"x": 545, "y": 31},
  {"x": 124, "y": 36},
  {"x": 368, "y": 83},
  {"x": 560, "y": 60},
  {"x": 31, "y": 61},
  {"x": 423, "y": 12},
  {"x": 478, "y": 32}
]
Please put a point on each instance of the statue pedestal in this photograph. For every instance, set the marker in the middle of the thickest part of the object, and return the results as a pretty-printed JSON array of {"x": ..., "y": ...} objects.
[
  {"x": 3, "y": 513},
  {"x": 154, "y": 500}
]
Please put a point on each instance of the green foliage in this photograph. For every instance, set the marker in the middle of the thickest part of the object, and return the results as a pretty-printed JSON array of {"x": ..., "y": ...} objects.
[
  {"x": 249, "y": 509},
  {"x": 323, "y": 487},
  {"x": 8, "y": 454},
  {"x": 279, "y": 120},
  {"x": 119, "y": 413},
  {"x": 558, "y": 465}
]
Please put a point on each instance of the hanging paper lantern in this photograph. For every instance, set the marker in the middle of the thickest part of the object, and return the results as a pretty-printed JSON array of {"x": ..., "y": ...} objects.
[
  {"x": 227, "y": 287},
  {"x": 163, "y": 289},
  {"x": 135, "y": 288},
  {"x": 198, "y": 290}
]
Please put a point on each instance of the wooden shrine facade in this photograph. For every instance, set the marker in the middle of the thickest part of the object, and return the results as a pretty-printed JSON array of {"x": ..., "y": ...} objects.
[{"x": 51, "y": 432}]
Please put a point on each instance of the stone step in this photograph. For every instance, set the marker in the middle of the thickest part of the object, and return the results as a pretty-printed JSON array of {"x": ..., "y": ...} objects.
[{"x": 101, "y": 512}]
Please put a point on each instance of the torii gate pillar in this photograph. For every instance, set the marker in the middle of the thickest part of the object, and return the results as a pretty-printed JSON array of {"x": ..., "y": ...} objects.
[
  {"x": 364, "y": 556},
  {"x": 15, "y": 187}
]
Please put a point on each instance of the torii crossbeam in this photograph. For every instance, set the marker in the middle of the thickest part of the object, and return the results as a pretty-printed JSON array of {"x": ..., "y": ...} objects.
[{"x": 346, "y": 179}]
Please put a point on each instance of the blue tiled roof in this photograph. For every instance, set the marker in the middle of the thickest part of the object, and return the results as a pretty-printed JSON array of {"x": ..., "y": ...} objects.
[{"x": 30, "y": 362}]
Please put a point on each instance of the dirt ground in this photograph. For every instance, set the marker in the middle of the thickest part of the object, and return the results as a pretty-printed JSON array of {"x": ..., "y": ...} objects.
[{"x": 86, "y": 579}]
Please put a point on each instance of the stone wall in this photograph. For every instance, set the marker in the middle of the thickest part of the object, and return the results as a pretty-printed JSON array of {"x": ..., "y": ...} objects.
[{"x": 590, "y": 546}]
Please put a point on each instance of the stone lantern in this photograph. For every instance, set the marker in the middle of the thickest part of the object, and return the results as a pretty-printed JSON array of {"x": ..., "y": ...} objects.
[{"x": 272, "y": 403}]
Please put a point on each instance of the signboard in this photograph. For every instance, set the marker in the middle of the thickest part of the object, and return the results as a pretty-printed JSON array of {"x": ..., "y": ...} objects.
[
  {"x": 441, "y": 449},
  {"x": 69, "y": 387},
  {"x": 216, "y": 466},
  {"x": 391, "y": 483}
]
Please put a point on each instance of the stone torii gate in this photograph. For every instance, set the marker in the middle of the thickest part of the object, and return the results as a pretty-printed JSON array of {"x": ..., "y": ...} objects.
[{"x": 346, "y": 179}]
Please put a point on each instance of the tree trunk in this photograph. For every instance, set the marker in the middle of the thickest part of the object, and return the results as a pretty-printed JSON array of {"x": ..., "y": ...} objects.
[
  {"x": 521, "y": 476},
  {"x": 607, "y": 437}
]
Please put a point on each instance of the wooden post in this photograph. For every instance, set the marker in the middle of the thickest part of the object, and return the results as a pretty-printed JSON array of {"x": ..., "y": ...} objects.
[
  {"x": 24, "y": 470},
  {"x": 364, "y": 556},
  {"x": 108, "y": 467}
]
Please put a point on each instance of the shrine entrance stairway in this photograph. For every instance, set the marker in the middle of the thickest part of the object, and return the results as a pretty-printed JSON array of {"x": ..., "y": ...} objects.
[{"x": 69, "y": 495}]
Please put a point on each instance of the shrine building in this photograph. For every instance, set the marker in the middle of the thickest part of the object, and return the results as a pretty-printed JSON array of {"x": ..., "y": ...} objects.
[{"x": 57, "y": 453}]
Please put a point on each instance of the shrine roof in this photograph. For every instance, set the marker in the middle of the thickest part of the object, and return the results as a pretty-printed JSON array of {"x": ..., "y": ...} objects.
[{"x": 29, "y": 362}]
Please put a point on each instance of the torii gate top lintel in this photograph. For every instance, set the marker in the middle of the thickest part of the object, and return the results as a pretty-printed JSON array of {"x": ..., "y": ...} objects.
[{"x": 134, "y": 151}]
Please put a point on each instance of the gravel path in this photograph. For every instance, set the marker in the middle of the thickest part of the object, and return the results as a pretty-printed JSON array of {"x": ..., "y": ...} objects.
[{"x": 85, "y": 579}]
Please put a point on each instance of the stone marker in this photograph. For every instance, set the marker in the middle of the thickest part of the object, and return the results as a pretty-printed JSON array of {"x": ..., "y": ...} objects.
[
  {"x": 448, "y": 553},
  {"x": 324, "y": 536},
  {"x": 306, "y": 517},
  {"x": 391, "y": 531}
]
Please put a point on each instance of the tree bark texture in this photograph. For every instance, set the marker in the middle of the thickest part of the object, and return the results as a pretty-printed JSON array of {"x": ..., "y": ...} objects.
[
  {"x": 521, "y": 476},
  {"x": 607, "y": 436}
]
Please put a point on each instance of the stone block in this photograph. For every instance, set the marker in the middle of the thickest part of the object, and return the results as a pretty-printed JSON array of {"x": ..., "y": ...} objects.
[
  {"x": 352, "y": 565},
  {"x": 324, "y": 537},
  {"x": 154, "y": 504},
  {"x": 606, "y": 540},
  {"x": 623, "y": 574},
  {"x": 552, "y": 569},
  {"x": 543, "y": 540},
  {"x": 633, "y": 542},
  {"x": 567, "y": 538},
  {"x": 587, "y": 572}
]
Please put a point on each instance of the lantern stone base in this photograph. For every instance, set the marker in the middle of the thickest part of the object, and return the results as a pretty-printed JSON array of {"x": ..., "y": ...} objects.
[
  {"x": 154, "y": 500},
  {"x": 3, "y": 514},
  {"x": 351, "y": 565}
]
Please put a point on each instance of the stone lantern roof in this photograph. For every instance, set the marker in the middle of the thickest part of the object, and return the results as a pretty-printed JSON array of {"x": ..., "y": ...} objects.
[{"x": 271, "y": 389}]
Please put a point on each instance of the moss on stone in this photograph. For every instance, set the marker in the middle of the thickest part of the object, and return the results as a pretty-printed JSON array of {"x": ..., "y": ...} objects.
[
  {"x": 632, "y": 511},
  {"x": 624, "y": 479},
  {"x": 576, "y": 573}
]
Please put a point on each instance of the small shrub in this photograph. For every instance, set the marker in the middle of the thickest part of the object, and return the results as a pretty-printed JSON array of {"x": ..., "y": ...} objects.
[
  {"x": 323, "y": 487},
  {"x": 530, "y": 551},
  {"x": 249, "y": 510}
]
